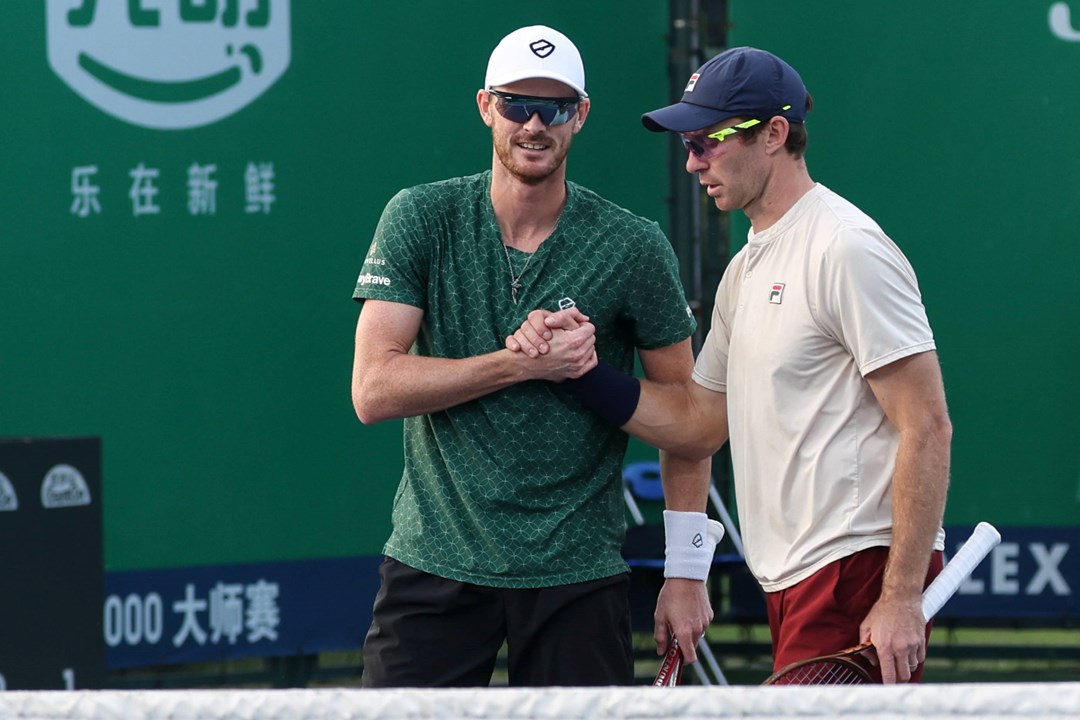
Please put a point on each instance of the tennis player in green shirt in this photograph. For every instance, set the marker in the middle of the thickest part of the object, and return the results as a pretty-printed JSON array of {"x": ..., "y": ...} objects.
[{"x": 509, "y": 518}]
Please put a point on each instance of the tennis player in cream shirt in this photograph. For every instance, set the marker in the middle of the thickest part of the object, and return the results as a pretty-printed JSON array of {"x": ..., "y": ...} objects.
[{"x": 821, "y": 363}]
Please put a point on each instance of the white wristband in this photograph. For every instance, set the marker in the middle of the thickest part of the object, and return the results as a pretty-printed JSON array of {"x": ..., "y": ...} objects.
[{"x": 691, "y": 539}]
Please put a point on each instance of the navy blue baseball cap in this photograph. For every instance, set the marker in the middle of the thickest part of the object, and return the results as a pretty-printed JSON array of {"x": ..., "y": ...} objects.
[{"x": 740, "y": 82}]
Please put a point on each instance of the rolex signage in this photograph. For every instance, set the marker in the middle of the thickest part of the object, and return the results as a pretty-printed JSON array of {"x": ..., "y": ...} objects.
[{"x": 169, "y": 64}]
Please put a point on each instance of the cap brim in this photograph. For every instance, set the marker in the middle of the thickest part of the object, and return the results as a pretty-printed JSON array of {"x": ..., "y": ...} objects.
[{"x": 683, "y": 117}]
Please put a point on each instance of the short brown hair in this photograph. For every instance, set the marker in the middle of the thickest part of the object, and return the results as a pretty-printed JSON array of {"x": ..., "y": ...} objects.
[{"x": 797, "y": 135}]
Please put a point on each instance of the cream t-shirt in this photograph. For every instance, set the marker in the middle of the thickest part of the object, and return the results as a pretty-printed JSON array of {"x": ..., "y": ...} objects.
[{"x": 804, "y": 311}]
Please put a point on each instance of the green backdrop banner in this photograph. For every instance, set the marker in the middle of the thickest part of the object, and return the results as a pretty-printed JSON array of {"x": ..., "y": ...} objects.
[
  {"x": 189, "y": 192},
  {"x": 190, "y": 189},
  {"x": 949, "y": 123}
]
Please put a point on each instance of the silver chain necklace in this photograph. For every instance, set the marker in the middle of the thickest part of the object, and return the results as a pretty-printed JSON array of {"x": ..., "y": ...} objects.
[{"x": 515, "y": 282}]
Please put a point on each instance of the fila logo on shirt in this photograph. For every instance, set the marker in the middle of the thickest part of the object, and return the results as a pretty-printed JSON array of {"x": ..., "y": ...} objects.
[{"x": 776, "y": 293}]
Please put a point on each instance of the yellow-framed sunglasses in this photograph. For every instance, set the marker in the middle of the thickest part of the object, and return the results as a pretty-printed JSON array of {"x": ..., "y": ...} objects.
[{"x": 704, "y": 146}]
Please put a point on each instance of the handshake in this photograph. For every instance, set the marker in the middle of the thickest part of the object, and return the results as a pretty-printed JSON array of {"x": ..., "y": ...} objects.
[{"x": 554, "y": 346}]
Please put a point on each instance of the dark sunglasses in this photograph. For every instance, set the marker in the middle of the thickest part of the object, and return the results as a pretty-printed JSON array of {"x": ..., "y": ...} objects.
[{"x": 519, "y": 108}]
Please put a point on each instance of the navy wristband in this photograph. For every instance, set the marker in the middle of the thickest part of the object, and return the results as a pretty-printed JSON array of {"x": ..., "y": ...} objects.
[{"x": 610, "y": 393}]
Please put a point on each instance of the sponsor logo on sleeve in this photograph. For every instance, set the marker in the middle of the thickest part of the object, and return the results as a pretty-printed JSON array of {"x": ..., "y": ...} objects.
[{"x": 370, "y": 279}]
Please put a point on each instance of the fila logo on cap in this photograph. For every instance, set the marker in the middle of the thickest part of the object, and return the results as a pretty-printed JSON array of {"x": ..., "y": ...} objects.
[
  {"x": 542, "y": 48},
  {"x": 693, "y": 81},
  {"x": 776, "y": 294}
]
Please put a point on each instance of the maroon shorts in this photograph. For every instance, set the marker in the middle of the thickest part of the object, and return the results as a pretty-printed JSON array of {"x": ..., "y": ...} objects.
[{"x": 822, "y": 614}]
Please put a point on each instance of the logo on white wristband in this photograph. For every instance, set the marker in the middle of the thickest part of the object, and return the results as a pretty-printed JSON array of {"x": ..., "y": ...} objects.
[{"x": 691, "y": 541}]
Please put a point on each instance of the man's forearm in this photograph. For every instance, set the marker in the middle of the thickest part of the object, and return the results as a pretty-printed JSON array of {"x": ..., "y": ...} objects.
[
  {"x": 920, "y": 486},
  {"x": 673, "y": 418},
  {"x": 666, "y": 415},
  {"x": 406, "y": 385},
  {"x": 686, "y": 482}
]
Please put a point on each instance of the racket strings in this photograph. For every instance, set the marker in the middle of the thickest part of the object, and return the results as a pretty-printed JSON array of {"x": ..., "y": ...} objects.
[{"x": 832, "y": 671}]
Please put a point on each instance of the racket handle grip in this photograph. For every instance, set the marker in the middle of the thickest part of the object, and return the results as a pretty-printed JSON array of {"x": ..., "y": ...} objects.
[{"x": 978, "y": 546}]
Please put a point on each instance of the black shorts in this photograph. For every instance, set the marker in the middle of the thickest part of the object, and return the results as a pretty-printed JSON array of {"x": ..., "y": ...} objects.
[{"x": 428, "y": 631}]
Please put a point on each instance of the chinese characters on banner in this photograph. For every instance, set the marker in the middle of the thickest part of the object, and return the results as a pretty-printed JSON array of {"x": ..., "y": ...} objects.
[
  {"x": 227, "y": 616},
  {"x": 228, "y": 613},
  {"x": 200, "y": 613},
  {"x": 202, "y": 185}
]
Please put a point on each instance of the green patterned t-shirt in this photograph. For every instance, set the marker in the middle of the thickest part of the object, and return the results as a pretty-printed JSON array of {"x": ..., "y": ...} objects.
[{"x": 520, "y": 488}]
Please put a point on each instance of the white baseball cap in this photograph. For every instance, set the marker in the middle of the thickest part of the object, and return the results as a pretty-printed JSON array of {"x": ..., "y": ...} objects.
[{"x": 536, "y": 51}]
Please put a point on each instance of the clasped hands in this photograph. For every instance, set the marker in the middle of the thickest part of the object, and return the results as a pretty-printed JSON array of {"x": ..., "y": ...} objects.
[{"x": 559, "y": 345}]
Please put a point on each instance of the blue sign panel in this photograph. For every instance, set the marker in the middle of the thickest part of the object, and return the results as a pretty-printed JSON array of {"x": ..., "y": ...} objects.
[
  {"x": 1032, "y": 578},
  {"x": 224, "y": 612},
  {"x": 1033, "y": 574},
  {"x": 221, "y": 612}
]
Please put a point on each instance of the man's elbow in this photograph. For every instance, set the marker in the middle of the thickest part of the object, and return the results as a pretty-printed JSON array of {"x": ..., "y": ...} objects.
[
  {"x": 693, "y": 448},
  {"x": 690, "y": 440},
  {"x": 703, "y": 449},
  {"x": 368, "y": 406},
  {"x": 942, "y": 430},
  {"x": 709, "y": 433},
  {"x": 945, "y": 430}
]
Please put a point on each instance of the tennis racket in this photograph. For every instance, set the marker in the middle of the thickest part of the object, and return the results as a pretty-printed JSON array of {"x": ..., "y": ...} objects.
[
  {"x": 847, "y": 667},
  {"x": 670, "y": 673}
]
